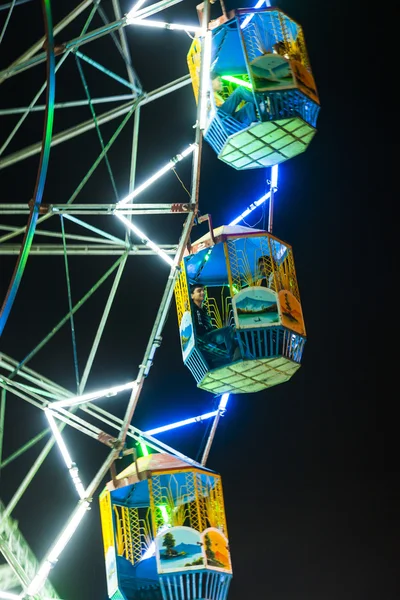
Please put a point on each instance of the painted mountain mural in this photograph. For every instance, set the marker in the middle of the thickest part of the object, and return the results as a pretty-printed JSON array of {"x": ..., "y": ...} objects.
[
  {"x": 256, "y": 308},
  {"x": 253, "y": 305},
  {"x": 216, "y": 549},
  {"x": 179, "y": 549},
  {"x": 291, "y": 313},
  {"x": 186, "y": 334},
  {"x": 187, "y": 548}
]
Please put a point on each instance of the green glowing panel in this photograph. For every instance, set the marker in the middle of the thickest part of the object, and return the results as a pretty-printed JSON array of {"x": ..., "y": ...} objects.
[
  {"x": 272, "y": 159},
  {"x": 259, "y": 369},
  {"x": 235, "y": 378},
  {"x": 263, "y": 128},
  {"x": 241, "y": 139},
  {"x": 221, "y": 373},
  {"x": 224, "y": 389},
  {"x": 264, "y": 151},
  {"x": 273, "y": 136},
  {"x": 283, "y": 141},
  {"x": 276, "y": 379},
  {"x": 302, "y": 131},
  {"x": 210, "y": 383},
  {"x": 290, "y": 124},
  {"x": 267, "y": 144},
  {"x": 277, "y": 362},
  {"x": 289, "y": 368},
  {"x": 250, "y": 148},
  {"x": 243, "y": 162},
  {"x": 229, "y": 154},
  {"x": 307, "y": 139},
  {"x": 246, "y": 376},
  {"x": 242, "y": 366},
  {"x": 294, "y": 149},
  {"x": 253, "y": 387}
]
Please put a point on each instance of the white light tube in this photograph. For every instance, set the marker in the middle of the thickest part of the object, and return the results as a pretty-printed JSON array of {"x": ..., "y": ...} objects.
[
  {"x": 58, "y": 437},
  {"x": 134, "y": 10},
  {"x": 251, "y": 208},
  {"x": 111, "y": 391},
  {"x": 205, "y": 80},
  {"x": 39, "y": 579},
  {"x": 249, "y": 17},
  {"x": 157, "y": 175},
  {"x": 182, "y": 423},
  {"x": 145, "y": 239},
  {"x": 41, "y": 576},
  {"x": 274, "y": 177},
  {"x": 223, "y": 401},
  {"x": 72, "y": 468},
  {"x": 68, "y": 532},
  {"x": 76, "y": 480},
  {"x": 9, "y": 596},
  {"x": 164, "y": 25}
]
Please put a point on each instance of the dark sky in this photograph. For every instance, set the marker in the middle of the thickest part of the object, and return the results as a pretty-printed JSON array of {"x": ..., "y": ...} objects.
[{"x": 310, "y": 483}]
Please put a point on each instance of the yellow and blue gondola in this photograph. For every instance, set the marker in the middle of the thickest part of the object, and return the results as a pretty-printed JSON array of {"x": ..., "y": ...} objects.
[{"x": 251, "y": 287}]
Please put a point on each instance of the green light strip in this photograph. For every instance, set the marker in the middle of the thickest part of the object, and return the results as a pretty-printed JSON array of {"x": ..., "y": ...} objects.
[
  {"x": 164, "y": 513},
  {"x": 233, "y": 79},
  {"x": 143, "y": 447}
]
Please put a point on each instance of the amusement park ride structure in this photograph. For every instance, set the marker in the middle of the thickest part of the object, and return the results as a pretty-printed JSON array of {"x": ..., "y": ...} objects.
[{"x": 163, "y": 518}]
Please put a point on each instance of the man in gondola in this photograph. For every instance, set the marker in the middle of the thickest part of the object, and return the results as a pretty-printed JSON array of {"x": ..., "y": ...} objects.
[
  {"x": 223, "y": 337},
  {"x": 246, "y": 114}
]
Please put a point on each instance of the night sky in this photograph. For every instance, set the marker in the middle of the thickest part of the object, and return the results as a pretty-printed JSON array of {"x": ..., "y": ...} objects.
[{"x": 311, "y": 486}]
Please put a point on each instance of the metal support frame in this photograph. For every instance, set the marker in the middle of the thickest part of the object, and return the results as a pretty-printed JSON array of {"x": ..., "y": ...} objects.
[
  {"x": 29, "y": 59},
  {"x": 16, "y": 377},
  {"x": 100, "y": 209},
  {"x": 22, "y": 563},
  {"x": 44, "y": 394},
  {"x": 81, "y": 128},
  {"x": 85, "y": 250}
]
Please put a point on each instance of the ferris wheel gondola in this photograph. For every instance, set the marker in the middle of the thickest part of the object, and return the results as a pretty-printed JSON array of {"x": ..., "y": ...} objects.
[
  {"x": 252, "y": 293},
  {"x": 262, "y": 51}
]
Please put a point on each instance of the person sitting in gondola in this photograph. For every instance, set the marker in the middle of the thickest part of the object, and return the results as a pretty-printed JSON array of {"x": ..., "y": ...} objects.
[
  {"x": 246, "y": 114},
  {"x": 269, "y": 274},
  {"x": 289, "y": 50},
  {"x": 223, "y": 337},
  {"x": 266, "y": 266}
]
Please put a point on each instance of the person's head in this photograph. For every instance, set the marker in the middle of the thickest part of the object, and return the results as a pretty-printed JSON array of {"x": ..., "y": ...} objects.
[
  {"x": 216, "y": 81},
  {"x": 281, "y": 49},
  {"x": 197, "y": 293},
  {"x": 265, "y": 263}
]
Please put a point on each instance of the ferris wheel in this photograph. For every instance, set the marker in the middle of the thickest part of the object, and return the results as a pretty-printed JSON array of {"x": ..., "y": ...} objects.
[{"x": 254, "y": 105}]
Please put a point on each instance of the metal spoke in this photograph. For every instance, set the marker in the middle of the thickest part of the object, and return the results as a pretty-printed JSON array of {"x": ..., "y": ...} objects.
[{"x": 91, "y": 227}]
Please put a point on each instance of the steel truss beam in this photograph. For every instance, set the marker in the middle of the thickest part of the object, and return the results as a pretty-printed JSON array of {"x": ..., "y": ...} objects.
[
  {"x": 99, "y": 209},
  {"x": 20, "y": 558},
  {"x": 58, "y": 105},
  {"x": 112, "y": 246},
  {"x": 9, "y": 582},
  {"x": 42, "y": 393},
  {"x": 29, "y": 60},
  {"x": 39, "y": 391},
  {"x": 82, "y": 250},
  {"x": 101, "y": 119}
]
